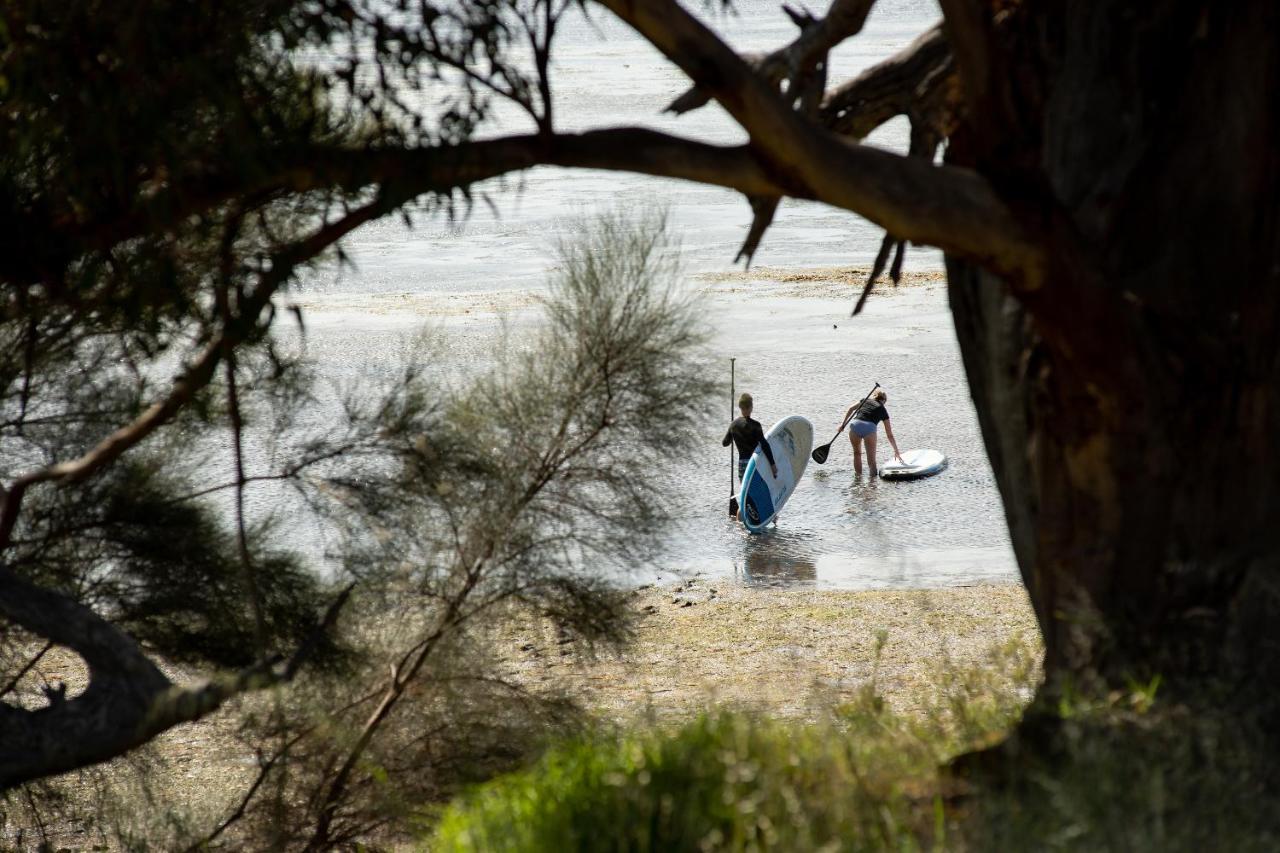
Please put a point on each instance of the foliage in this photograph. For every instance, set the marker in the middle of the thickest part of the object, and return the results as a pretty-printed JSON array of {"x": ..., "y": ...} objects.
[
  {"x": 723, "y": 782},
  {"x": 863, "y": 778},
  {"x": 512, "y": 497},
  {"x": 1128, "y": 773},
  {"x": 463, "y": 508}
]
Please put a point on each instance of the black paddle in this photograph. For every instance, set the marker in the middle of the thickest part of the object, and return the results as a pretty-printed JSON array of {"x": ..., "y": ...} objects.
[
  {"x": 733, "y": 497},
  {"x": 820, "y": 454}
]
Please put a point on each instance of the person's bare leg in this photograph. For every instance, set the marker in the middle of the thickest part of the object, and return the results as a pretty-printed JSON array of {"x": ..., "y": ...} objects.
[
  {"x": 857, "y": 452},
  {"x": 871, "y": 453}
]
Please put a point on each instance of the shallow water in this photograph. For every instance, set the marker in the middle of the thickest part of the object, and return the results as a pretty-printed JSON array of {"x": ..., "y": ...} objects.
[
  {"x": 808, "y": 358},
  {"x": 604, "y": 76},
  {"x": 839, "y": 528},
  {"x": 796, "y": 355}
]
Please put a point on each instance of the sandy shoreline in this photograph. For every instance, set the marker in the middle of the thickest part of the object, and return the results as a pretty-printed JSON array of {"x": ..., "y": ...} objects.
[
  {"x": 706, "y": 642},
  {"x": 698, "y": 645},
  {"x": 787, "y": 651},
  {"x": 482, "y": 305}
]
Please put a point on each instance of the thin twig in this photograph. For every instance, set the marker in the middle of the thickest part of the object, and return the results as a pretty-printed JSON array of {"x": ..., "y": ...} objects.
[
  {"x": 13, "y": 682},
  {"x": 264, "y": 771}
]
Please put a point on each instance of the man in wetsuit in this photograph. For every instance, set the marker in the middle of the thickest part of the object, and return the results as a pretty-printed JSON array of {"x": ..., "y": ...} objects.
[{"x": 747, "y": 434}]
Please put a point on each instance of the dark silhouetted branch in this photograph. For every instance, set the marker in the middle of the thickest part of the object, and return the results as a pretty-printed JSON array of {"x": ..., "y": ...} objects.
[
  {"x": 948, "y": 207},
  {"x": 817, "y": 37}
]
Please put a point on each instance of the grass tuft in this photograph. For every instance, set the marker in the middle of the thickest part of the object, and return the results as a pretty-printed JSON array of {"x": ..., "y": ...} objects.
[
  {"x": 1125, "y": 771},
  {"x": 862, "y": 778}
]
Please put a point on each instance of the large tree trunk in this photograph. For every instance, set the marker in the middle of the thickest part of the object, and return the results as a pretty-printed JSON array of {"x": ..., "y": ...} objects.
[{"x": 1129, "y": 401}]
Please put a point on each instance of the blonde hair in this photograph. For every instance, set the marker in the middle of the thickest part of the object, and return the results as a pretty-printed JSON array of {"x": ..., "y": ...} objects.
[
  {"x": 879, "y": 396},
  {"x": 745, "y": 401}
]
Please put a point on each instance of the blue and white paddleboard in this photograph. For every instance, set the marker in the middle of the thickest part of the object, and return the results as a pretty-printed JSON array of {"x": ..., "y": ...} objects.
[
  {"x": 762, "y": 495},
  {"x": 914, "y": 464}
]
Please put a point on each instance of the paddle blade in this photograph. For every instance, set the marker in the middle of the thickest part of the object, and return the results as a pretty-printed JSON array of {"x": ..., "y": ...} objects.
[
  {"x": 733, "y": 507},
  {"x": 820, "y": 453}
]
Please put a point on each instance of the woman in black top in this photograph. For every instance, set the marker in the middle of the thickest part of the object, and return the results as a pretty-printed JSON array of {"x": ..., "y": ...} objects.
[{"x": 862, "y": 429}]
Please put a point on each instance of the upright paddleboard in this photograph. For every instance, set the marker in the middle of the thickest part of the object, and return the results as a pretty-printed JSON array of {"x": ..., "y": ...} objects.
[
  {"x": 762, "y": 495},
  {"x": 914, "y": 464}
]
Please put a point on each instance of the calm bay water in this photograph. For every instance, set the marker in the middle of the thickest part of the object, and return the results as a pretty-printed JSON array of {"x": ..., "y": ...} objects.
[{"x": 796, "y": 355}]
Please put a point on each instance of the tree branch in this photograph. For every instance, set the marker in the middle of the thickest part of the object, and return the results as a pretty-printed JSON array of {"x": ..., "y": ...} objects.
[
  {"x": 128, "y": 701},
  {"x": 920, "y": 81},
  {"x": 843, "y": 20},
  {"x": 948, "y": 207},
  {"x": 889, "y": 88},
  {"x": 300, "y": 169},
  {"x": 200, "y": 372}
]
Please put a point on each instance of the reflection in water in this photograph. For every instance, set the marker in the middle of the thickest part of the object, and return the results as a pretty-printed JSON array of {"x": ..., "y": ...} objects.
[
  {"x": 866, "y": 511},
  {"x": 865, "y": 533},
  {"x": 776, "y": 558}
]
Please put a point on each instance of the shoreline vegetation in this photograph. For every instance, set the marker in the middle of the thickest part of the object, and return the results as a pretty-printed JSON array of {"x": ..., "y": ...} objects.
[
  {"x": 786, "y": 651},
  {"x": 700, "y": 648},
  {"x": 830, "y": 713},
  {"x": 713, "y": 642},
  {"x": 802, "y": 719},
  {"x": 757, "y": 718}
]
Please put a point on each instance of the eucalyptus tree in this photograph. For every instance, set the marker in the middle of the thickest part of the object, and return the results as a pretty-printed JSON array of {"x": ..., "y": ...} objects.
[{"x": 1106, "y": 202}]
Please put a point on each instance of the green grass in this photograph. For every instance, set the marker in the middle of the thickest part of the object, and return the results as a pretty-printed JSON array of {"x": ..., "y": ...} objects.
[
  {"x": 1126, "y": 777},
  {"x": 864, "y": 778},
  {"x": 727, "y": 782},
  {"x": 1122, "y": 772}
]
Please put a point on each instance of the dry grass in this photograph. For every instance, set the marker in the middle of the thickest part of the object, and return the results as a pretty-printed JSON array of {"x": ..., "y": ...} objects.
[
  {"x": 787, "y": 652},
  {"x": 792, "y": 653}
]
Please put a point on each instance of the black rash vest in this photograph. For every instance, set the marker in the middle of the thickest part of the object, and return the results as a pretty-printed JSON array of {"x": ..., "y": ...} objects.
[
  {"x": 872, "y": 411},
  {"x": 747, "y": 434}
]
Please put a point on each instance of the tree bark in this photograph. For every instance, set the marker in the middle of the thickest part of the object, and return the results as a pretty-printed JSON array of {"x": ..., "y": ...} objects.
[{"x": 1129, "y": 401}]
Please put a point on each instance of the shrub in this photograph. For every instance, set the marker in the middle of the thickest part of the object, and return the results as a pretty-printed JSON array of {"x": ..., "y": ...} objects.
[{"x": 723, "y": 782}]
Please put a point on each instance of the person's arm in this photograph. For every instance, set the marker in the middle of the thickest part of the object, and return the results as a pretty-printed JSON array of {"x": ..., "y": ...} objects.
[
  {"x": 768, "y": 451},
  {"x": 728, "y": 437},
  {"x": 888, "y": 432},
  {"x": 848, "y": 416}
]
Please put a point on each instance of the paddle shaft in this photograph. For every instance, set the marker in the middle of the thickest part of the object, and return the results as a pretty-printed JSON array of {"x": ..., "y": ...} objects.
[
  {"x": 733, "y": 498},
  {"x": 732, "y": 391},
  {"x": 855, "y": 411}
]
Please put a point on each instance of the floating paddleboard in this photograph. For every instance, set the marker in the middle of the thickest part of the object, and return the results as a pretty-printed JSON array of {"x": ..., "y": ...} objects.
[
  {"x": 914, "y": 464},
  {"x": 762, "y": 495}
]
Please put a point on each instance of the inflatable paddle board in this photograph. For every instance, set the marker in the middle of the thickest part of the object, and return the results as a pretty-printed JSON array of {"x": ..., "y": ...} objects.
[
  {"x": 762, "y": 495},
  {"x": 914, "y": 464}
]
